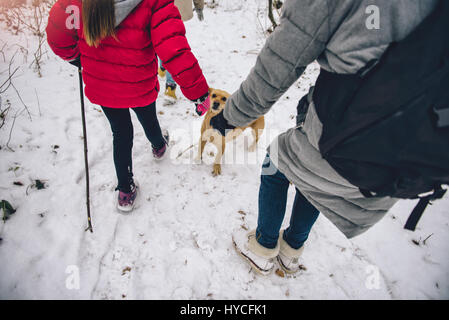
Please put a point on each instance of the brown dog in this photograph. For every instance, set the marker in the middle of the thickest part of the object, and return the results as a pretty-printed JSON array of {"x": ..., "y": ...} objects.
[{"x": 218, "y": 100}]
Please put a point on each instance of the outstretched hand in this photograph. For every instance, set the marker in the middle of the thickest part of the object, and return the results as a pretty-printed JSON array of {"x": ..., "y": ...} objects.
[
  {"x": 221, "y": 124},
  {"x": 202, "y": 105}
]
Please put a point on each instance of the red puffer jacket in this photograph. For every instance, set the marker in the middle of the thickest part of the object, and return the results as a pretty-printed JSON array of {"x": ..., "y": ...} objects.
[{"x": 122, "y": 71}]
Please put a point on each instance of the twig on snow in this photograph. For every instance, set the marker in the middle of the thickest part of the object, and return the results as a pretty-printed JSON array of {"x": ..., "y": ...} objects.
[
  {"x": 182, "y": 153},
  {"x": 10, "y": 132},
  {"x": 38, "y": 103}
]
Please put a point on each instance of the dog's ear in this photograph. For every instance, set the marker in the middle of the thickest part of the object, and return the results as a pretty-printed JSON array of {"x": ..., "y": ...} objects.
[{"x": 211, "y": 89}]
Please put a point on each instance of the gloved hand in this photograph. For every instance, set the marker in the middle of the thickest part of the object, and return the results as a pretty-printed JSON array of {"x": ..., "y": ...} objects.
[
  {"x": 76, "y": 62},
  {"x": 202, "y": 105},
  {"x": 221, "y": 124},
  {"x": 199, "y": 13}
]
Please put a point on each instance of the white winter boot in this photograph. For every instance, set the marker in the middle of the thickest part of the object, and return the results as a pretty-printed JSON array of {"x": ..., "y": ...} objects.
[
  {"x": 288, "y": 257},
  {"x": 260, "y": 258}
]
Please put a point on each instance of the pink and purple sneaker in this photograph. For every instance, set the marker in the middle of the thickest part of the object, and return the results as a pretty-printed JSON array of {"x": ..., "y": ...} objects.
[
  {"x": 160, "y": 153},
  {"x": 126, "y": 200}
]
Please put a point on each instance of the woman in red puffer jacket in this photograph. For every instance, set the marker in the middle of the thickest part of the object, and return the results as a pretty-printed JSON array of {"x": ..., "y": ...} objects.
[{"x": 116, "y": 43}]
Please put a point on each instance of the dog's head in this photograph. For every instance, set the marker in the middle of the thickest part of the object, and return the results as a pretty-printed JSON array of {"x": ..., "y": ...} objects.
[{"x": 218, "y": 100}]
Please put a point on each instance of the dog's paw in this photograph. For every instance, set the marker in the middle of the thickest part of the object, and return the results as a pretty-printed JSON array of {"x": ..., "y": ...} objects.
[
  {"x": 252, "y": 147},
  {"x": 198, "y": 160},
  {"x": 217, "y": 170}
]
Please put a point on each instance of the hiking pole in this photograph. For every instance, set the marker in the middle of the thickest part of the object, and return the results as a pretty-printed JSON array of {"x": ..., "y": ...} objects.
[{"x": 86, "y": 161}]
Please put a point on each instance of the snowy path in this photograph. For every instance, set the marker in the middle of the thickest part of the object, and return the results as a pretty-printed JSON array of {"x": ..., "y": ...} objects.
[{"x": 177, "y": 243}]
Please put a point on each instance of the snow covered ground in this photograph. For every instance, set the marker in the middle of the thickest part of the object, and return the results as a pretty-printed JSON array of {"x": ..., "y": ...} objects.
[{"x": 177, "y": 243}]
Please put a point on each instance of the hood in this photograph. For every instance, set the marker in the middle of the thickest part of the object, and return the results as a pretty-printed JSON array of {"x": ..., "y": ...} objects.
[{"x": 123, "y": 8}]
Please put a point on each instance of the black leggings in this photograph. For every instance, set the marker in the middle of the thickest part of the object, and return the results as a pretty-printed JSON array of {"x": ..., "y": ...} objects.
[{"x": 123, "y": 133}]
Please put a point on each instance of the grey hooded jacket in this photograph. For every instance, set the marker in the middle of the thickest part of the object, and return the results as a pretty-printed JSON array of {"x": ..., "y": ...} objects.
[
  {"x": 335, "y": 33},
  {"x": 123, "y": 8}
]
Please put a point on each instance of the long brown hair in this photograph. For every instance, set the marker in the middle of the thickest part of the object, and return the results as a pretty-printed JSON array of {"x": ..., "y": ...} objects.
[{"x": 98, "y": 20}]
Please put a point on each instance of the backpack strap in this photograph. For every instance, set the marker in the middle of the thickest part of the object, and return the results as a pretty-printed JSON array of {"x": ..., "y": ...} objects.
[
  {"x": 367, "y": 193},
  {"x": 421, "y": 207},
  {"x": 443, "y": 117}
]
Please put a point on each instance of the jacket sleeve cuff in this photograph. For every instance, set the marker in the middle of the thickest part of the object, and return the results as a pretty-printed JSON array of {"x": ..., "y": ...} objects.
[
  {"x": 235, "y": 116},
  {"x": 197, "y": 91}
]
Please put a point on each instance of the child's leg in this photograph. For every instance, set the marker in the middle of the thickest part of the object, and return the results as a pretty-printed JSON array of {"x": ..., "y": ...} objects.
[
  {"x": 304, "y": 215},
  {"x": 160, "y": 64},
  {"x": 169, "y": 79},
  {"x": 148, "y": 118},
  {"x": 272, "y": 203},
  {"x": 122, "y": 130}
]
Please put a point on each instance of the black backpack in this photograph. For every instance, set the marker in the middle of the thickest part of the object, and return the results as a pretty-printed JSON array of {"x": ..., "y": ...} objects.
[{"x": 386, "y": 129}]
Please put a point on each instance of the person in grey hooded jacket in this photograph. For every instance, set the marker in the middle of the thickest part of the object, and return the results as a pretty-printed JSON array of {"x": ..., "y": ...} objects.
[{"x": 339, "y": 36}]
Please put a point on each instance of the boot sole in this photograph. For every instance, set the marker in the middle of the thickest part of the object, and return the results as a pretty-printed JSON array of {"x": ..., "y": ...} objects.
[
  {"x": 125, "y": 209},
  {"x": 284, "y": 268},
  {"x": 248, "y": 259}
]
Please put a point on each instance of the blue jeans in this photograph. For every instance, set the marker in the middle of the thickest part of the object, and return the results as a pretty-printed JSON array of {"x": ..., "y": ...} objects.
[
  {"x": 272, "y": 204},
  {"x": 168, "y": 78}
]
